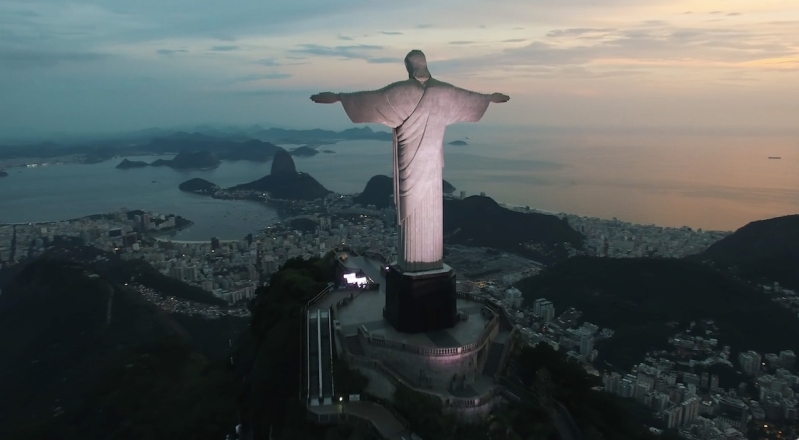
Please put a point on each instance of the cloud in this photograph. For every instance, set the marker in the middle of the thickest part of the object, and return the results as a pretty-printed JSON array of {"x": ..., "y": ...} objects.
[
  {"x": 461, "y": 42},
  {"x": 390, "y": 33},
  {"x": 269, "y": 62},
  {"x": 344, "y": 37},
  {"x": 347, "y": 52},
  {"x": 648, "y": 44},
  {"x": 733, "y": 14},
  {"x": 25, "y": 58},
  {"x": 224, "y": 48},
  {"x": 170, "y": 51},
  {"x": 384, "y": 60},
  {"x": 262, "y": 76},
  {"x": 515, "y": 40},
  {"x": 577, "y": 32},
  {"x": 225, "y": 38},
  {"x": 424, "y": 26}
]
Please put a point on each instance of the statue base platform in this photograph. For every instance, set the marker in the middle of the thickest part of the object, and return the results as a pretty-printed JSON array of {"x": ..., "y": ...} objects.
[{"x": 419, "y": 302}]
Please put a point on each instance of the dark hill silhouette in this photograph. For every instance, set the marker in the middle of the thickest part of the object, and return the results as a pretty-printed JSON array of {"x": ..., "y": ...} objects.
[
  {"x": 283, "y": 164},
  {"x": 380, "y": 189},
  {"x": 114, "y": 268},
  {"x": 480, "y": 221},
  {"x": 190, "y": 160},
  {"x": 56, "y": 324},
  {"x": 378, "y": 192},
  {"x": 638, "y": 297},
  {"x": 762, "y": 251},
  {"x": 284, "y": 182},
  {"x": 199, "y": 186},
  {"x": 316, "y": 136},
  {"x": 128, "y": 164},
  {"x": 458, "y": 142}
]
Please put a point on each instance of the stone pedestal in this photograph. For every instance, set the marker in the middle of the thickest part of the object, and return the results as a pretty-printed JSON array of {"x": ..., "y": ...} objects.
[{"x": 419, "y": 302}]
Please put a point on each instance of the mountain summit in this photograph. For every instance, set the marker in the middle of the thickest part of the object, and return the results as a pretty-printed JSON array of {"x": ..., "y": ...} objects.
[
  {"x": 284, "y": 182},
  {"x": 283, "y": 164}
]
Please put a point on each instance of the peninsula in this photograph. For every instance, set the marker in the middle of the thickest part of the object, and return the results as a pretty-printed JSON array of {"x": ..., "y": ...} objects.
[{"x": 285, "y": 182}]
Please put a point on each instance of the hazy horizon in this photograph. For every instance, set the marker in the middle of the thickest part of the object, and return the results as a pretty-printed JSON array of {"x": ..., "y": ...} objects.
[
  {"x": 111, "y": 66},
  {"x": 10, "y": 138}
]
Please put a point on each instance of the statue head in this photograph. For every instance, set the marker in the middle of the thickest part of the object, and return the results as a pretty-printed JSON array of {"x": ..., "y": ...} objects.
[{"x": 416, "y": 64}]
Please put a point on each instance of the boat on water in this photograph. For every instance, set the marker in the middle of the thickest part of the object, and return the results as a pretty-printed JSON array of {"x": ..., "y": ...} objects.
[{"x": 774, "y": 157}]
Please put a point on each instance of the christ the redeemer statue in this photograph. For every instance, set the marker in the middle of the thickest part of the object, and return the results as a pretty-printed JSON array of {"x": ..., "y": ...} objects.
[{"x": 418, "y": 110}]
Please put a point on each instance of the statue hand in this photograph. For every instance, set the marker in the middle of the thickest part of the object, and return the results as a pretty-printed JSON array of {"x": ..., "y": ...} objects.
[
  {"x": 499, "y": 97},
  {"x": 325, "y": 98}
]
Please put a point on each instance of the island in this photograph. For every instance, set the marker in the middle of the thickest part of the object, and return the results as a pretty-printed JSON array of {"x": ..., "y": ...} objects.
[
  {"x": 3, "y": 173},
  {"x": 328, "y": 151},
  {"x": 459, "y": 142},
  {"x": 199, "y": 186},
  {"x": 304, "y": 151},
  {"x": 128, "y": 164}
]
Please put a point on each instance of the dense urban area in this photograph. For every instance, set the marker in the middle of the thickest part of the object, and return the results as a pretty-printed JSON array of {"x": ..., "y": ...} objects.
[{"x": 694, "y": 403}]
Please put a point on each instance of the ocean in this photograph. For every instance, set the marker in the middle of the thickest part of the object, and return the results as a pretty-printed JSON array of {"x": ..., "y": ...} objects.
[{"x": 714, "y": 182}]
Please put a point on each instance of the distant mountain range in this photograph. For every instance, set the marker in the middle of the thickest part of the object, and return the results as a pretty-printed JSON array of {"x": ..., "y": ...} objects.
[{"x": 253, "y": 143}]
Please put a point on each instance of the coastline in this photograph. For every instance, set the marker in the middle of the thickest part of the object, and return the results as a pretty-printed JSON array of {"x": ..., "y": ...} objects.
[{"x": 174, "y": 230}]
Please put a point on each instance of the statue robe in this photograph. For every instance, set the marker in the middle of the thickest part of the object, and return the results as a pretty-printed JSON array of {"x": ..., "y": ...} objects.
[{"x": 418, "y": 114}]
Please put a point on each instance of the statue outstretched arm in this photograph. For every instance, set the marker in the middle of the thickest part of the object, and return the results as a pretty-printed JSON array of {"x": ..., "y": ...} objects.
[
  {"x": 370, "y": 107},
  {"x": 497, "y": 98},
  {"x": 326, "y": 98}
]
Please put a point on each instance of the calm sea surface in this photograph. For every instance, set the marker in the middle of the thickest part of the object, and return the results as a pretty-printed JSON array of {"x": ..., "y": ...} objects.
[{"x": 710, "y": 182}]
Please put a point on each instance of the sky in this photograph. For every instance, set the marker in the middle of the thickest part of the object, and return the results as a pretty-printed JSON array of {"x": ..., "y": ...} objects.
[{"x": 108, "y": 65}]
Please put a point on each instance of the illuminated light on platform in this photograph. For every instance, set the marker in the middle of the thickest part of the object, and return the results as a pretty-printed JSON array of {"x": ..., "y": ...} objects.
[{"x": 351, "y": 278}]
